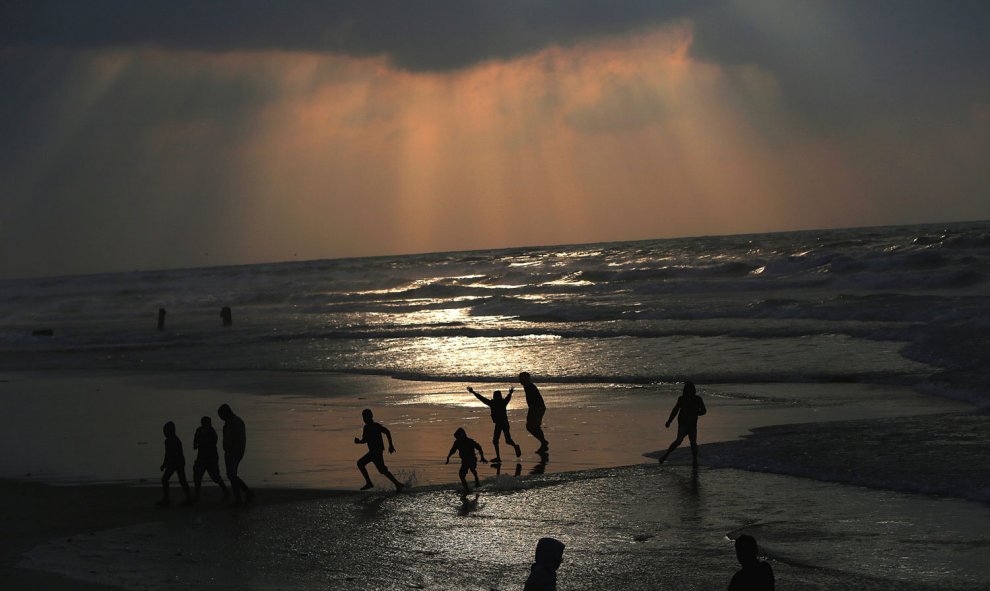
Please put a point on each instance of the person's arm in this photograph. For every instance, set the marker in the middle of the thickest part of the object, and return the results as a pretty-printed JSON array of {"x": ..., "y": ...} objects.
[
  {"x": 361, "y": 441},
  {"x": 479, "y": 396},
  {"x": 388, "y": 434},
  {"x": 673, "y": 412},
  {"x": 508, "y": 396},
  {"x": 453, "y": 448},
  {"x": 480, "y": 451},
  {"x": 196, "y": 438},
  {"x": 164, "y": 460}
]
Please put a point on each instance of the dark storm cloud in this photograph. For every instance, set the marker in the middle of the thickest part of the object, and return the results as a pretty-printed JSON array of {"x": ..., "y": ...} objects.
[{"x": 431, "y": 35}]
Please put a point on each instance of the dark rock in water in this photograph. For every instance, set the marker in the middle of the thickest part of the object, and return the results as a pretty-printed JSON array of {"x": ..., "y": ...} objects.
[{"x": 43, "y": 332}]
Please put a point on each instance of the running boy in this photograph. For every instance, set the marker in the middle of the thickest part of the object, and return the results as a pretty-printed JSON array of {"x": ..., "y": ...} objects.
[
  {"x": 498, "y": 405},
  {"x": 465, "y": 447},
  {"x": 372, "y": 436}
]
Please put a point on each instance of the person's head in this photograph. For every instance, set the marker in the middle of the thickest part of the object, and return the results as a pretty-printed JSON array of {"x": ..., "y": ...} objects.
[
  {"x": 460, "y": 433},
  {"x": 497, "y": 395},
  {"x": 524, "y": 378},
  {"x": 746, "y": 550},
  {"x": 689, "y": 389},
  {"x": 224, "y": 412},
  {"x": 168, "y": 429},
  {"x": 367, "y": 415},
  {"x": 549, "y": 553},
  {"x": 206, "y": 422}
]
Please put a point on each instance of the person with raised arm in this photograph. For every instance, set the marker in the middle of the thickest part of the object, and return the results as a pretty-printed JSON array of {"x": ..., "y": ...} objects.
[{"x": 498, "y": 407}]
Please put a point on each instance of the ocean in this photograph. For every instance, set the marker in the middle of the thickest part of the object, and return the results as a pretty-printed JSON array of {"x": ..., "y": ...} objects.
[
  {"x": 902, "y": 305},
  {"x": 844, "y": 373}
]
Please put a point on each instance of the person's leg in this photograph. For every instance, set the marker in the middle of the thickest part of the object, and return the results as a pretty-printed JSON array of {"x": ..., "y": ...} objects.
[
  {"x": 462, "y": 473},
  {"x": 383, "y": 469},
  {"x": 673, "y": 446},
  {"x": 364, "y": 461},
  {"x": 181, "y": 471},
  {"x": 693, "y": 438},
  {"x": 474, "y": 472},
  {"x": 236, "y": 484},
  {"x": 508, "y": 439},
  {"x": 535, "y": 426},
  {"x": 198, "y": 469},
  {"x": 166, "y": 476},
  {"x": 496, "y": 435},
  {"x": 214, "y": 471}
]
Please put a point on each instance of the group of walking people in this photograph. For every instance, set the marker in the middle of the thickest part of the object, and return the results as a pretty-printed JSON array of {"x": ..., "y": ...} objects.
[{"x": 207, "y": 458}]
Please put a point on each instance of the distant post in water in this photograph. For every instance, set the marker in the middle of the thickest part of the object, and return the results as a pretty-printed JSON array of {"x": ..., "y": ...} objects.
[
  {"x": 225, "y": 315},
  {"x": 161, "y": 318}
]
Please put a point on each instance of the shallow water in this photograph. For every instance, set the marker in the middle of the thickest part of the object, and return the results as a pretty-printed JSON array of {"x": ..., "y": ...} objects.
[{"x": 635, "y": 528}]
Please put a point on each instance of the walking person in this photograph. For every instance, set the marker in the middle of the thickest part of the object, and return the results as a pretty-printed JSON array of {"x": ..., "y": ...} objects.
[
  {"x": 689, "y": 407},
  {"x": 372, "y": 436},
  {"x": 207, "y": 459},
  {"x": 234, "y": 444},
  {"x": 537, "y": 408},
  {"x": 498, "y": 407},
  {"x": 174, "y": 463}
]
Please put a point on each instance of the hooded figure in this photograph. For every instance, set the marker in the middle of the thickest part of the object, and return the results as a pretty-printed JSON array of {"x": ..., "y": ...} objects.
[{"x": 543, "y": 574}]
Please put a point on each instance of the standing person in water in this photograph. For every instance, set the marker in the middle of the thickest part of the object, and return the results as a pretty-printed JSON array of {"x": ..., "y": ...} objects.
[
  {"x": 689, "y": 407},
  {"x": 755, "y": 575},
  {"x": 372, "y": 436},
  {"x": 498, "y": 405},
  {"x": 207, "y": 460},
  {"x": 234, "y": 445},
  {"x": 174, "y": 463},
  {"x": 537, "y": 408},
  {"x": 465, "y": 447}
]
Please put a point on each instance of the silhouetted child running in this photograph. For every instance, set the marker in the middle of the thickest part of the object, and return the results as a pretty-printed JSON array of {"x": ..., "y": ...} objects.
[
  {"x": 755, "y": 575},
  {"x": 689, "y": 407},
  {"x": 174, "y": 463},
  {"x": 543, "y": 573},
  {"x": 372, "y": 436},
  {"x": 498, "y": 405},
  {"x": 465, "y": 447},
  {"x": 207, "y": 458}
]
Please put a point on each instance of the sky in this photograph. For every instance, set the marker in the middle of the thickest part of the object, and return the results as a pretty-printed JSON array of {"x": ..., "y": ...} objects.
[{"x": 162, "y": 134}]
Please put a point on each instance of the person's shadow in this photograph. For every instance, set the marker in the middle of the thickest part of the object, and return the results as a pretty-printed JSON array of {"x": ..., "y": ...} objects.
[
  {"x": 541, "y": 466},
  {"x": 468, "y": 504}
]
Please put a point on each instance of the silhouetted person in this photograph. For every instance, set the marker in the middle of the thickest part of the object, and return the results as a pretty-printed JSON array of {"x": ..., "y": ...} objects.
[
  {"x": 161, "y": 318},
  {"x": 755, "y": 575},
  {"x": 207, "y": 459},
  {"x": 537, "y": 408},
  {"x": 687, "y": 410},
  {"x": 234, "y": 444},
  {"x": 498, "y": 405},
  {"x": 465, "y": 446},
  {"x": 543, "y": 573},
  {"x": 372, "y": 436},
  {"x": 226, "y": 316},
  {"x": 174, "y": 463}
]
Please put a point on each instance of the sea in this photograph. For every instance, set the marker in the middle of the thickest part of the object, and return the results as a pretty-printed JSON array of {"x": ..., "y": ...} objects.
[
  {"x": 903, "y": 305},
  {"x": 795, "y": 327}
]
